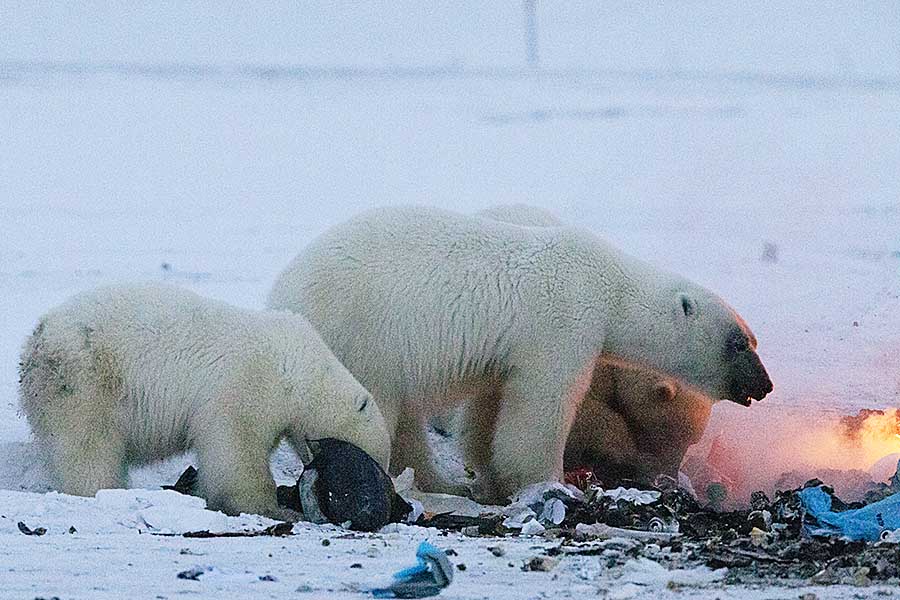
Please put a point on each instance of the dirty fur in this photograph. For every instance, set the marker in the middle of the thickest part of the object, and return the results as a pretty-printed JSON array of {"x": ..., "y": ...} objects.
[{"x": 125, "y": 375}]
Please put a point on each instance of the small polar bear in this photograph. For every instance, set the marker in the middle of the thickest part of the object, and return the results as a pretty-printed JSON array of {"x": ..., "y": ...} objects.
[
  {"x": 428, "y": 308},
  {"x": 633, "y": 424},
  {"x": 128, "y": 374}
]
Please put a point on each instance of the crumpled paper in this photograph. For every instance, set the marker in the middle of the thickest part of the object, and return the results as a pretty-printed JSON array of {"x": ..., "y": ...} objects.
[{"x": 540, "y": 505}]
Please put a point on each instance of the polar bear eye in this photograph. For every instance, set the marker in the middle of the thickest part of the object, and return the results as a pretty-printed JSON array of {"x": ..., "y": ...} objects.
[
  {"x": 361, "y": 403},
  {"x": 687, "y": 306}
]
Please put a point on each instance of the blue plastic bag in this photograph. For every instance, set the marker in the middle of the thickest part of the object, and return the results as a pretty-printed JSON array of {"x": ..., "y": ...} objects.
[
  {"x": 867, "y": 523},
  {"x": 432, "y": 574}
]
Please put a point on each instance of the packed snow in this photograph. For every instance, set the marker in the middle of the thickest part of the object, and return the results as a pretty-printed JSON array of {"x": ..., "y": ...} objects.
[{"x": 754, "y": 150}]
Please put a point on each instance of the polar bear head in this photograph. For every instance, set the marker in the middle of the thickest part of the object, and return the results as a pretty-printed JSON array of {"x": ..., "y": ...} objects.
[
  {"x": 719, "y": 350},
  {"x": 335, "y": 405},
  {"x": 675, "y": 326}
]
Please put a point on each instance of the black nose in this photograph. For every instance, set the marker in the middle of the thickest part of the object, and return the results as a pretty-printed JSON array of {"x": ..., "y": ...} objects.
[
  {"x": 763, "y": 384},
  {"x": 749, "y": 378}
]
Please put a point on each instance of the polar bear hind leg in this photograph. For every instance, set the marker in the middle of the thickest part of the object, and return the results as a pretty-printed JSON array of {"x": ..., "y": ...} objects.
[{"x": 85, "y": 449}]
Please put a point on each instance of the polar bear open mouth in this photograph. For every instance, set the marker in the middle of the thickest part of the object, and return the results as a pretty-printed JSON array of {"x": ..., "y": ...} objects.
[{"x": 749, "y": 379}]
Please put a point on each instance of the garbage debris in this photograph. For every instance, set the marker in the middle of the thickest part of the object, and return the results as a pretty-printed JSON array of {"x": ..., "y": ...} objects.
[
  {"x": 540, "y": 506},
  {"x": 193, "y": 574},
  {"x": 38, "y": 531},
  {"x": 869, "y": 523},
  {"x": 850, "y": 484},
  {"x": 540, "y": 563},
  {"x": 345, "y": 486},
  {"x": 186, "y": 482},
  {"x": 342, "y": 485},
  {"x": 431, "y": 575}
]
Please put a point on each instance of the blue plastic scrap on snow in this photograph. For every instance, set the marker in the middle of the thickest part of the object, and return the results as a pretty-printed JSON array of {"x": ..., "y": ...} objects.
[
  {"x": 867, "y": 523},
  {"x": 432, "y": 574}
]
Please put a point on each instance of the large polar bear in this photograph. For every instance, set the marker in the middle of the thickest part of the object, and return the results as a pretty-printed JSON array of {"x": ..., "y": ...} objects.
[
  {"x": 133, "y": 373},
  {"x": 633, "y": 423},
  {"x": 427, "y": 308}
]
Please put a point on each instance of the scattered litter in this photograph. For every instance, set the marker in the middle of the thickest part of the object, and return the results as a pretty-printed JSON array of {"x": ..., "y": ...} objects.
[
  {"x": 448, "y": 503},
  {"x": 276, "y": 530},
  {"x": 632, "y": 495},
  {"x": 471, "y": 531},
  {"x": 186, "y": 483},
  {"x": 540, "y": 563},
  {"x": 539, "y": 506},
  {"x": 867, "y": 523},
  {"x": 554, "y": 511},
  {"x": 517, "y": 516},
  {"x": 533, "y": 527},
  {"x": 432, "y": 574},
  {"x": 604, "y": 531},
  {"x": 891, "y": 537},
  {"x": 346, "y": 487},
  {"x": 758, "y": 537},
  {"x": 487, "y": 525},
  {"x": 194, "y": 574},
  {"x": 27, "y": 531}
]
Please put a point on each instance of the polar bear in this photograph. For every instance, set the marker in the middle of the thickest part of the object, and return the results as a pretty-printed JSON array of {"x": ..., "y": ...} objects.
[
  {"x": 129, "y": 374},
  {"x": 428, "y": 308},
  {"x": 635, "y": 424},
  {"x": 632, "y": 424}
]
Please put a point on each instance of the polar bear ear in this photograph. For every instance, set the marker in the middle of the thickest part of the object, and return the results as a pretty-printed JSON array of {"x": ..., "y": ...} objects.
[
  {"x": 688, "y": 306},
  {"x": 664, "y": 391}
]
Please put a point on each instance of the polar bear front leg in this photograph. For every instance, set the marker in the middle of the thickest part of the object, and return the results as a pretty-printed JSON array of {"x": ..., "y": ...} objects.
[
  {"x": 478, "y": 423},
  {"x": 411, "y": 448},
  {"x": 234, "y": 475},
  {"x": 533, "y": 422}
]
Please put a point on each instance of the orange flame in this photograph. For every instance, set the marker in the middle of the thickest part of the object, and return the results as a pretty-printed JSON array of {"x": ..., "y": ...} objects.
[{"x": 853, "y": 443}]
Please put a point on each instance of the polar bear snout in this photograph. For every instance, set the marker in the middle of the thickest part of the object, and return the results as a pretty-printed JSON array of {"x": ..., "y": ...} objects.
[{"x": 749, "y": 378}]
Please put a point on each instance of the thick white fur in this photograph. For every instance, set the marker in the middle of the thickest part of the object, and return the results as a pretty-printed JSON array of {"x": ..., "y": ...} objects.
[
  {"x": 129, "y": 374},
  {"x": 633, "y": 423},
  {"x": 428, "y": 308}
]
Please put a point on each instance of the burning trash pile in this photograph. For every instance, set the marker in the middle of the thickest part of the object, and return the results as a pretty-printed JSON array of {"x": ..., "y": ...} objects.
[
  {"x": 853, "y": 453},
  {"x": 803, "y": 534}
]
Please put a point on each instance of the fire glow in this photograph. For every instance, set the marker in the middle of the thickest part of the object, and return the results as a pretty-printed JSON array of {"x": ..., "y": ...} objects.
[
  {"x": 773, "y": 450},
  {"x": 861, "y": 441}
]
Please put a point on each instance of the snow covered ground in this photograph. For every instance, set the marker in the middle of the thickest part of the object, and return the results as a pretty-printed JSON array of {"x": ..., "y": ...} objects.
[{"x": 212, "y": 172}]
